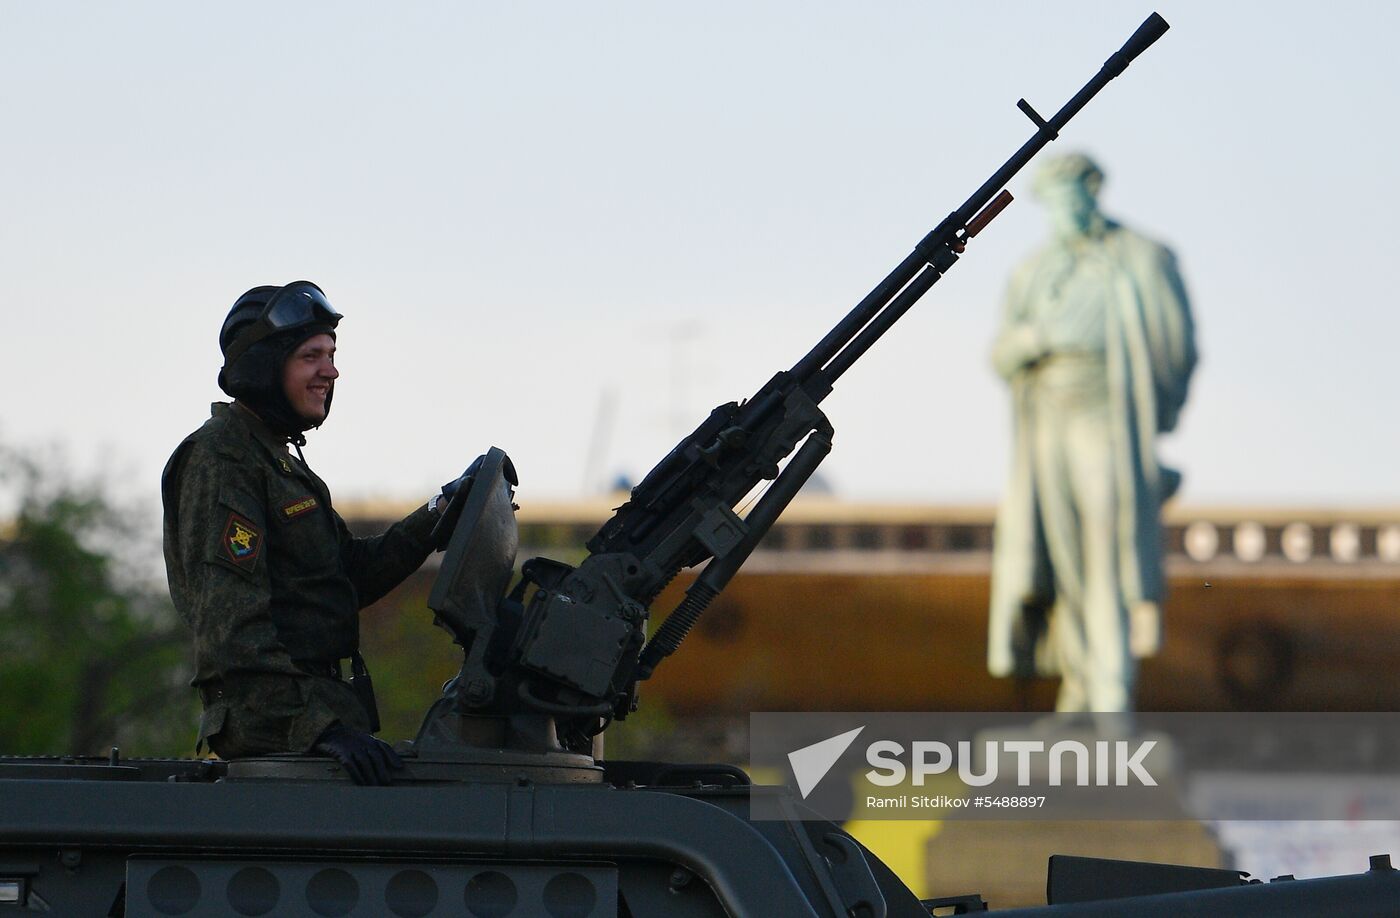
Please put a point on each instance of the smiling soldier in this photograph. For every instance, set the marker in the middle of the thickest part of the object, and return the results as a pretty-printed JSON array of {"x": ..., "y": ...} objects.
[{"x": 261, "y": 567}]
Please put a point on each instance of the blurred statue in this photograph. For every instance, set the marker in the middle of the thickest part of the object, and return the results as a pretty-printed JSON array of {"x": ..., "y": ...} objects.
[{"x": 1098, "y": 347}]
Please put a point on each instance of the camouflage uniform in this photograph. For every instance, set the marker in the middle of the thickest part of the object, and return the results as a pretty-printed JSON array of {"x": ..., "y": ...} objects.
[{"x": 268, "y": 577}]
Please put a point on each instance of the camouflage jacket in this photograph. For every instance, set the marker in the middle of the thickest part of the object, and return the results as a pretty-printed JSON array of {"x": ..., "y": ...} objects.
[{"x": 271, "y": 582}]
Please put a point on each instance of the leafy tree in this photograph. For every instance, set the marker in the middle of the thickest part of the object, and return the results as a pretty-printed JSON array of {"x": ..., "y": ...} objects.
[{"x": 91, "y": 651}]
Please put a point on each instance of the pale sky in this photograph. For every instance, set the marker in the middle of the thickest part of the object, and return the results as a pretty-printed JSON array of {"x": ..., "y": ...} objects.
[{"x": 527, "y": 211}]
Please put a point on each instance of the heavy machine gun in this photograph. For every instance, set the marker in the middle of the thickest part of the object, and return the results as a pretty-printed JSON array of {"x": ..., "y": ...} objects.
[{"x": 575, "y": 649}]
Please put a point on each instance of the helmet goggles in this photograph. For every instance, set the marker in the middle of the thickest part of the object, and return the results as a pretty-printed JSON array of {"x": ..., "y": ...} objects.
[{"x": 297, "y": 305}]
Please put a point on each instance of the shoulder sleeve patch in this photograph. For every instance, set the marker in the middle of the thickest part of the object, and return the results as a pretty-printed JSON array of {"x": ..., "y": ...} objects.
[{"x": 241, "y": 542}]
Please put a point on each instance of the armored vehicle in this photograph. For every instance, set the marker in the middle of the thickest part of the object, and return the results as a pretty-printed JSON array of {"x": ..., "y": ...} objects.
[{"x": 502, "y": 810}]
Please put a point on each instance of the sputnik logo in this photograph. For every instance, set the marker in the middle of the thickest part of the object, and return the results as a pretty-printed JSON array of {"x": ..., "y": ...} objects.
[{"x": 811, "y": 763}]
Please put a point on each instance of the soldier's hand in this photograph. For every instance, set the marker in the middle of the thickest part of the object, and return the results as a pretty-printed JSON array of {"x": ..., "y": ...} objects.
[
  {"x": 454, "y": 497},
  {"x": 462, "y": 482},
  {"x": 368, "y": 760},
  {"x": 450, "y": 503}
]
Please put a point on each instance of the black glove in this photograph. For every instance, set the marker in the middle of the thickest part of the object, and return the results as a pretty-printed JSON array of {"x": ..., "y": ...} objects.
[
  {"x": 367, "y": 759},
  {"x": 462, "y": 482},
  {"x": 450, "y": 503}
]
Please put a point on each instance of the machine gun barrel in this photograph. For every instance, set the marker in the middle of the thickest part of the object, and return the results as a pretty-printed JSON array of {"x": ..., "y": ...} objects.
[
  {"x": 710, "y": 454},
  {"x": 937, "y": 251}
]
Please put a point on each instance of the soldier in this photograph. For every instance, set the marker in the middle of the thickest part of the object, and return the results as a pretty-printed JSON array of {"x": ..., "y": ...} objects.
[{"x": 261, "y": 567}]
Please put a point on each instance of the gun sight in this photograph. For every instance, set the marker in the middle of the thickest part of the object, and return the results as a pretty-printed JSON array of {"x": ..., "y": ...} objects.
[{"x": 1038, "y": 121}]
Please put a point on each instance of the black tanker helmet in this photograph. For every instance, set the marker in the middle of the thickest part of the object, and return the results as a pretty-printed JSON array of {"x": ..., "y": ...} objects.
[{"x": 263, "y": 328}]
